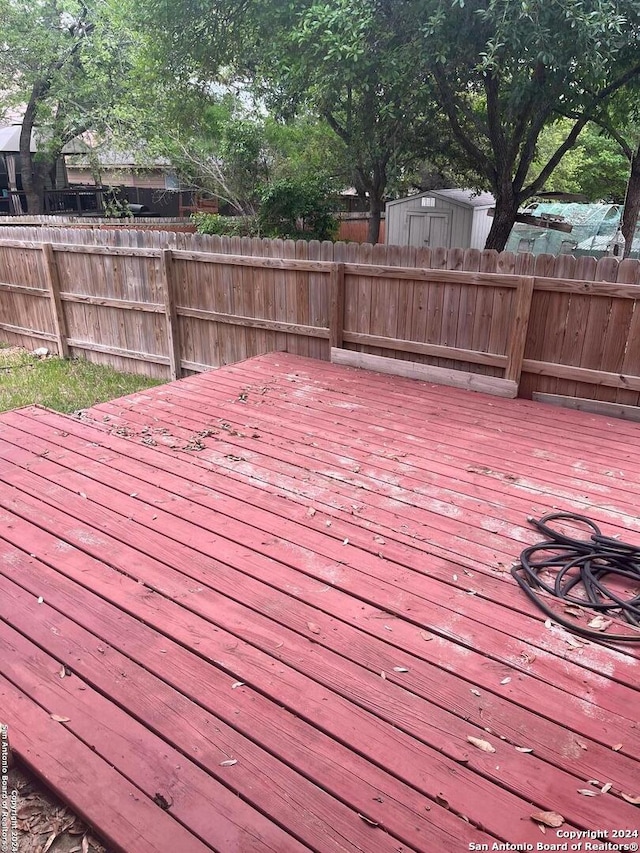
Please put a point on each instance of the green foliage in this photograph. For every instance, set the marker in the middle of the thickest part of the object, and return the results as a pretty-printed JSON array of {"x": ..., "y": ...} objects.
[
  {"x": 505, "y": 69},
  {"x": 115, "y": 206},
  {"x": 229, "y": 226},
  {"x": 64, "y": 63},
  {"x": 594, "y": 167},
  {"x": 297, "y": 210}
]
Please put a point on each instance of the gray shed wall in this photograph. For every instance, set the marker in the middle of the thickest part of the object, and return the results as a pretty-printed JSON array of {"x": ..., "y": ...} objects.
[{"x": 466, "y": 226}]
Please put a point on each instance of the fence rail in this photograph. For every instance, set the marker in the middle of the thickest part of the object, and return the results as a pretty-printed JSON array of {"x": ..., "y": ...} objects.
[{"x": 163, "y": 304}]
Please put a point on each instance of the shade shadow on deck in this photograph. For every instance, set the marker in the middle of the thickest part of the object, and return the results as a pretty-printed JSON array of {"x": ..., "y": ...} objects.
[{"x": 279, "y": 597}]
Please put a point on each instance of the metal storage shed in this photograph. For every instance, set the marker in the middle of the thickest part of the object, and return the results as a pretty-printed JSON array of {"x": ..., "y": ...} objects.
[{"x": 448, "y": 218}]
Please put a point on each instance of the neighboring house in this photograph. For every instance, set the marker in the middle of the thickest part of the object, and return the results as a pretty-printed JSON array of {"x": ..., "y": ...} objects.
[
  {"x": 440, "y": 218},
  {"x": 114, "y": 168},
  {"x": 154, "y": 186},
  {"x": 11, "y": 198},
  {"x": 590, "y": 229}
]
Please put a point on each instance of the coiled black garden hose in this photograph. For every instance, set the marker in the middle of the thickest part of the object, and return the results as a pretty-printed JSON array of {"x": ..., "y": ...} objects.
[{"x": 582, "y": 568}]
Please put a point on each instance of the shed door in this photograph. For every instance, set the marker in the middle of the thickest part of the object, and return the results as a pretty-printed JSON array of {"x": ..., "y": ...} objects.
[{"x": 428, "y": 230}]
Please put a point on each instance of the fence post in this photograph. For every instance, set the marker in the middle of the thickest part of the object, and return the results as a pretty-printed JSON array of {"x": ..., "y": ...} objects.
[
  {"x": 173, "y": 336},
  {"x": 57, "y": 310},
  {"x": 519, "y": 328},
  {"x": 336, "y": 305}
]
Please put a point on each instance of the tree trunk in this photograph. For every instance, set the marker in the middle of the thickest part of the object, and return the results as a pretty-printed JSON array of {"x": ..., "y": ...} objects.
[
  {"x": 503, "y": 221},
  {"x": 631, "y": 210},
  {"x": 32, "y": 182},
  {"x": 375, "y": 213}
]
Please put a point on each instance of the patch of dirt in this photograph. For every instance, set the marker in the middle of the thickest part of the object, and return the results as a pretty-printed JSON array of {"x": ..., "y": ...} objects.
[{"x": 45, "y": 824}]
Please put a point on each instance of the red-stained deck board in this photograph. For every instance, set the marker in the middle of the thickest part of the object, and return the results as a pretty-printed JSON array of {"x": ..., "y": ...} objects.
[
  {"x": 237, "y": 517},
  {"x": 435, "y": 417},
  {"x": 550, "y": 741},
  {"x": 244, "y": 563},
  {"x": 213, "y": 812},
  {"x": 126, "y": 819},
  {"x": 174, "y": 425},
  {"x": 575, "y": 681},
  {"x": 359, "y": 691},
  {"x": 326, "y": 412}
]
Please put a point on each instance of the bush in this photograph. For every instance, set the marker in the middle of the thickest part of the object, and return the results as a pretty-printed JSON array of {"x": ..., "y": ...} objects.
[
  {"x": 227, "y": 226},
  {"x": 297, "y": 210}
]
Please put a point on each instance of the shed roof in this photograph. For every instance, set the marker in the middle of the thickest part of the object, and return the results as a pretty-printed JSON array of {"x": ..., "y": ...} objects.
[{"x": 466, "y": 198}]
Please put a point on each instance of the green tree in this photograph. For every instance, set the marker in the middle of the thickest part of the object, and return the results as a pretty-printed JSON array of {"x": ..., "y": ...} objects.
[
  {"x": 595, "y": 167},
  {"x": 350, "y": 62},
  {"x": 622, "y": 124},
  {"x": 505, "y": 69},
  {"x": 67, "y": 64},
  {"x": 297, "y": 210}
]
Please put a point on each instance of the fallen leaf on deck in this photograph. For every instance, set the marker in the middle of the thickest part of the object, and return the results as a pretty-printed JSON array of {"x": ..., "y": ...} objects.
[
  {"x": 587, "y": 792},
  {"x": 484, "y": 745},
  {"x": 552, "y": 819},
  {"x": 606, "y": 788},
  {"x": 159, "y": 800},
  {"x": 617, "y": 747},
  {"x": 599, "y": 623},
  {"x": 441, "y": 801},
  {"x": 527, "y": 657},
  {"x": 581, "y": 744},
  {"x": 383, "y": 675},
  {"x": 313, "y": 627},
  {"x": 574, "y": 611},
  {"x": 426, "y": 636},
  {"x": 475, "y": 692},
  {"x": 400, "y": 669},
  {"x": 345, "y": 542},
  {"x": 50, "y": 841},
  {"x": 237, "y": 684},
  {"x": 311, "y": 512},
  {"x": 41, "y": 600},
  {"x": 635, "y": 801},
  {"x": 59, "y": 719},
  {"x": 379, "y": 540},
  {"x": 62, "y": 672},
  {"x": 85, "y": 844},
  {"x": 368, "y": 820},
  {"x": 523, "y": 749},
  {"x": 505, "y": 680},
  {"x": 229, "y": 763}
]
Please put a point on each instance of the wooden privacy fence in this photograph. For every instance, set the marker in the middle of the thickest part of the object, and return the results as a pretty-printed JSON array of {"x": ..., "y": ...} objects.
[{"x": 563, "y": 327}]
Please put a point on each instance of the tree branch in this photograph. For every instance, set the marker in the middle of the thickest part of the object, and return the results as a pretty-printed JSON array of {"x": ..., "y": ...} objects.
[{"x": 451, "y": 106}]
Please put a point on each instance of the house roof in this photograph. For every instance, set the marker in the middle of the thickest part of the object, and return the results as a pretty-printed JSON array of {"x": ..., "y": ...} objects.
[
  {"x": 10, "y": 141},
  {"x": 110, "y": 158}
]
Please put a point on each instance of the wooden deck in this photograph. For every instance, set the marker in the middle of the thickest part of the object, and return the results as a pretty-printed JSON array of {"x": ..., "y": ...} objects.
[{"x": 269, "y": 605}]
